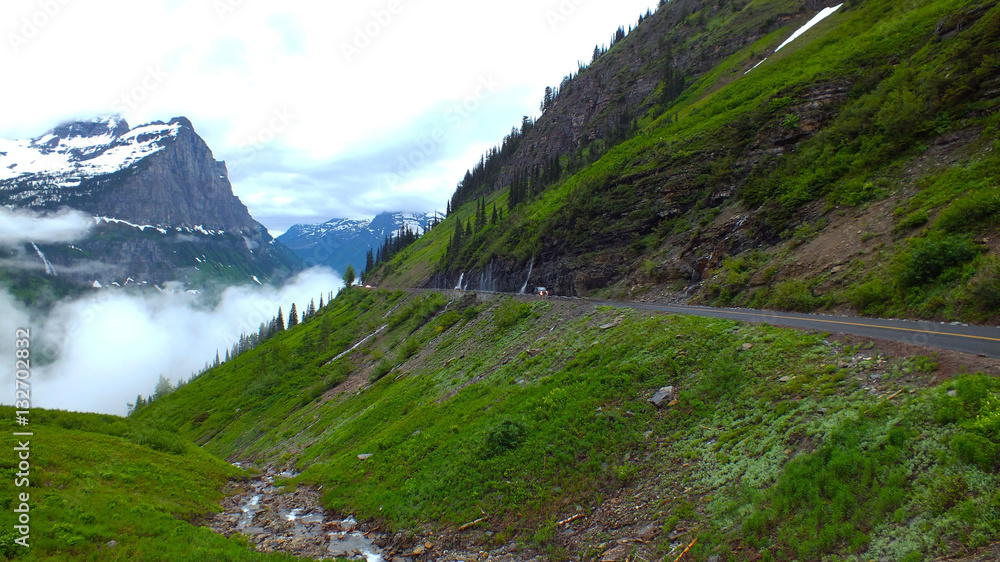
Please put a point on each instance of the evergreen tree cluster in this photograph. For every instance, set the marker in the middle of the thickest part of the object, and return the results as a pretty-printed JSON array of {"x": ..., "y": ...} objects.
[
  {"x": 526, "y": 186},
  {"x": 246, "y": 342},
  {"x": 673, "y": 80},
  {"x": 479, "y": 180},
  {"x": 392, "y": 245},
  {"x": 465, "y": 231}
]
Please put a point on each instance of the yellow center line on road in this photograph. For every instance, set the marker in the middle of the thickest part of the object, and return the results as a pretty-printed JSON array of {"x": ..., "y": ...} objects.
[{"x": 764, "y": 316}]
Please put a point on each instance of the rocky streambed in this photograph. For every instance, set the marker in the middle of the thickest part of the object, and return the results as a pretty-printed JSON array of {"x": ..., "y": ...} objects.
[
  {"x": 277, "y": 520},
  {"x": 293, "y": 521}
]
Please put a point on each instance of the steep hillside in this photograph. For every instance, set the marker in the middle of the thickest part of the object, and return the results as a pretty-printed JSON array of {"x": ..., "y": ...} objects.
[
  {"x": 854, "y": 168},
  {"x": 162, "y": 206},
  {"x": 525, "y": 428},
  {"x": 107, "y": 488}
]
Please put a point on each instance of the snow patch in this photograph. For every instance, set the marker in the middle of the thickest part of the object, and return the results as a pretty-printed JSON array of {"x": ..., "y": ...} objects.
[
  {"x": 48, "y": 266},
  {"x": 755, "y": 66},
  {"x": 822, "y": 15}
]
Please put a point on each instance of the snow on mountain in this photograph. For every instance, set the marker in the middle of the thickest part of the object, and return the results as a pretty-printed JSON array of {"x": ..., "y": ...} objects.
[
  {"x": 822, "y": 15},
  {"x": 162, "y": 206},
  {"x": 341, "y": 242},
  {"x": 67, "y": 154}
]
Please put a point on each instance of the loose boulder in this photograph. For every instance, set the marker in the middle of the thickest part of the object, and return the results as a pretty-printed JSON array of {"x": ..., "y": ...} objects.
[{"x": 665, "y": 394}]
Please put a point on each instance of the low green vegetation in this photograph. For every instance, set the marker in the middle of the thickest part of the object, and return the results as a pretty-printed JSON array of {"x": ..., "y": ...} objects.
[
  {"x": 108, "y": 488},
  {"x": 529, "y": 411}
]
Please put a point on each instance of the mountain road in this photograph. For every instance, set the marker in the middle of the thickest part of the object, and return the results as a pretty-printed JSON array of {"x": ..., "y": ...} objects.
[{"x": 977, "y": 340}]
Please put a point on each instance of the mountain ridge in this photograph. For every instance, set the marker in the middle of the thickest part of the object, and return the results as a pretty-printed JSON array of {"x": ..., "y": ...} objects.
[
  {"x": 163, "y": 207},
  {"x": 338, "y": 243}
]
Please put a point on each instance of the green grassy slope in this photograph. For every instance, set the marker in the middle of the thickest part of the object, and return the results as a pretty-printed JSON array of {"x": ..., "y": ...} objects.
[
  {"x": 794, "y": 158},
  {"x": 96, "y": 479},
  {"x": 788, "y": 447}
]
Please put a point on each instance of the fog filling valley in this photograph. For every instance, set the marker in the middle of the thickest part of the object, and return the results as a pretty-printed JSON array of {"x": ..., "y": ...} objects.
[{"x": 112, "y": 345}]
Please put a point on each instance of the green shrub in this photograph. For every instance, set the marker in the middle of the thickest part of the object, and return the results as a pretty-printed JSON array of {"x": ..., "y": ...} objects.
[
  {"x": 380, "y": 370},
  {"x": 929, "y": 258},
  {"x": 503, "y": 436},
  {"x": 510, "y": 312},
  {"x": 870, "y": 297},
  {"x": 913, "y": 220},
  {"x": 983, "y": 294},
  {"x": 470, "y": 313},
  {"x": 778, "y": 104},
  {"x": 964, "y": 399},
  {"x": 791, "y": 121},
  {"x": 976, "y": 449},
  {"x": 626, "y": 473},
  {"x": 722, "y": 377},
  {"x": 409, "y": 348},
  {"x": 973, "y": 213},
  {"x": 793, "y": 295},
  {"x": 158, "y": 440},
  {"x": 447, "y": 320},
  {"x": 338, "y": 373}
]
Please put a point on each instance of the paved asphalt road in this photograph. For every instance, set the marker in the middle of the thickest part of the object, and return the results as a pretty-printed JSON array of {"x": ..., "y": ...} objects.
[{"x": 978, "y": 340}]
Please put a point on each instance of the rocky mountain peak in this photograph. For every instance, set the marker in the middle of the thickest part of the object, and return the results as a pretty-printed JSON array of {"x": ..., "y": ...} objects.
[
  {"x": 160, "y": 174},
  {"x": 112, "y": 127}
]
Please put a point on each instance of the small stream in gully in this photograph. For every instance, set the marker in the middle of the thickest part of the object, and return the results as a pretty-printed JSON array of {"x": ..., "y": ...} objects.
[{"x": 292, "y": 522}]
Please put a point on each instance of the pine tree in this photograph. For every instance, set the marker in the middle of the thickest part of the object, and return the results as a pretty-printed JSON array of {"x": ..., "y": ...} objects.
[
  {"x": 493, "y": 219},
  {"x": 293, "y": 317},
  {"x": 163, "y": 388},
  {"x": 280, "y": 321},
  {"x": 325, "y": 329},
  {"x": 349, "y": 276},
  {"x": 547, "y": 99}
]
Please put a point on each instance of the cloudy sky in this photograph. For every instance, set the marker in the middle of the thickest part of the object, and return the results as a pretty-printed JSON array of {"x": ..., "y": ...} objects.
[{"x": 321, "y": 109}]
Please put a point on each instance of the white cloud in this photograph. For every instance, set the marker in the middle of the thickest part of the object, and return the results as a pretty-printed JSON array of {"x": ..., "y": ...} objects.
[
  {"x": 19, "y": 227},
  {"x": 114, "y": 345}
]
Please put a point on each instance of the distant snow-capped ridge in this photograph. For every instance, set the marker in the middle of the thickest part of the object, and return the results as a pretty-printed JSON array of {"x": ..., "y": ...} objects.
[
  {"x": 338, "y": 243},
  {"x": 381, "y": 225}
]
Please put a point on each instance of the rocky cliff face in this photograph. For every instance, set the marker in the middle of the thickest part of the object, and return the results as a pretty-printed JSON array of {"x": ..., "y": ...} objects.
[
  {"x": 163, "y": 206},
  {"x": 625, "y": 82},
  {"x": 182, "y": 185}
]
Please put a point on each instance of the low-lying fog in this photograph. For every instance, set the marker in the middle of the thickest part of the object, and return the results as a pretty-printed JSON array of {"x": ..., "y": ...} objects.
[{"x": 113, "y": 345}]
